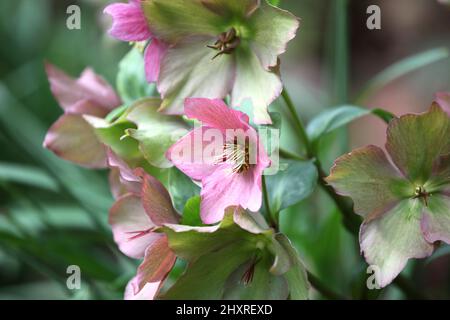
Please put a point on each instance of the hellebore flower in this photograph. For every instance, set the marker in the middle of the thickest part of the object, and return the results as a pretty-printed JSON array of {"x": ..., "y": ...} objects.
[
  {"x": 403, "y": 197},
  {"x": 220, "y": 47},
  {"x": 239, "y": 259},
  {"x": 71, "y": 137},
  {"x": 134, "y": 218},
  {"x": 225, "y": 155},
  {"x": 129, "y": 24}
]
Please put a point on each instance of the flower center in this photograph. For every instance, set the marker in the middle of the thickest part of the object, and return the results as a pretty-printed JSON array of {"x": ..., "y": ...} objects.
[
  {"x": 421, "y": 193},
  {"x": 247, "y": 277},
  {"x": 226, "y": 43},
  {"x": 237, "y": 155}
]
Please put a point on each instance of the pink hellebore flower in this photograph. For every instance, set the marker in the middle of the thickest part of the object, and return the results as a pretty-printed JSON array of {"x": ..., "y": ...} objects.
[
  {"x": 229, "y": 159},
  {"x": 134, "y": 218},
  {"x": 130, "y": 24},
  {"x": 71, "y": 137}
]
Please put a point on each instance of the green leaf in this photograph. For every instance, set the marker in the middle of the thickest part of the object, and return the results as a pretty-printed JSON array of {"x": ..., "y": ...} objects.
[
  {"x": 384, "y": 115},
  {"x": 27, "y": 175},
  {"x": 274, "y": 2},
  {"x": 333, "y": 119},
  {"x": 181, "y": 188},
  {"x": 191, "y": 213},
  {"x": 156, "y": 132},
  {"x": 402, "y": 68},
  {"x": 292, "y": 185},
  {"x": 296, "y": 276},
  {"x": 131, "y": 83}
]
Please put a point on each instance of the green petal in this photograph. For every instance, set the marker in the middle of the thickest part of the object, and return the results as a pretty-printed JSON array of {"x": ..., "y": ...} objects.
[
  {"x": 175, "y": 19},
  {"x": 253, "y": 82},
  {"x": 440, "y": 179},
  {"x": 367, "y": 176},
  {"x": 204, "y": 279},
  {"x": 389, "y": 241},
  {"x": 111, "y": 135},
  {"x": 436, "y": 219},
  {"x": 263, "y": 286},
  {"x": 273, "y": 29},
  {"x": 188, "y": 70},
  {"x": 155, "y": 132},
  {"x": 191, "y": 242},
  {"x": 414, "y": 142},
  {"x": 296, "y": 276}
]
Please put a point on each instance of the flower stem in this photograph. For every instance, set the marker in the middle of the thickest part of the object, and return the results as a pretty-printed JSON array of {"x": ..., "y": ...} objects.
[
  {"x": 289, "y": 155},
  {"x": 272, "y": 220},
  {"x": 301, "y": 132}
]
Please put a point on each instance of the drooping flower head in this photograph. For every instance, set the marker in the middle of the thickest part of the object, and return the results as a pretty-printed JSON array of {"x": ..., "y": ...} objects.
[
  {"x": 225, "y": 155},
  {"x": 134, "y": 218},
  {"x": 403, "y": 196},
  {"x": 240, "y": 258},
  {"x": 220, "y": 47},
  {"x": 129, "y": 24},
  {"x": 71, "y": 137}
]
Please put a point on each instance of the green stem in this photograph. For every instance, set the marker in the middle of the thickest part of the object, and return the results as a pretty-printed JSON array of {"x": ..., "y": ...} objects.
[
  {"x": 350, "y": 220},
  {"x": 272, "y": 220},
  {"x": 289, "y": 155},
  {"x": 301, "y": 132}
]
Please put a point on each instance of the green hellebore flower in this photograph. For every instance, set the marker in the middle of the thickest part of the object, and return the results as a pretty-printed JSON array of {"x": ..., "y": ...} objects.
[
  {"x": 404, "y": 200},
  {"x": 145, "y": 131},
  {"x": 220, "y": 47},
  {"x": 241, "y": 258}
]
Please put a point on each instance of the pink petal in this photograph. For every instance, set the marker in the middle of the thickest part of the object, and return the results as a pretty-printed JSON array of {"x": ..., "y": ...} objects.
[
  {"x": 87, "y": 107},
  {"x": 129, "y": 23},
  {"x": 131, "y": 226},
  {"x": 153, "y": 56},
  {"x": 149, "y": 291},
  {"x": 188, "y": 155},
  {"x": 73, "y": 139},
  {"x": 215, "y": 113},
  {"x": 115, "y": 184},
  {"x": 443, "y": 99},
  {"x": 102, "y": 92},
  {"x": 224, "y": 188},
  {"x": 157, "y": 202},
  {"x": 89, "y": 87},
  {"x": 127, "y": 176},
  {"x": 158, "y": 262}
]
